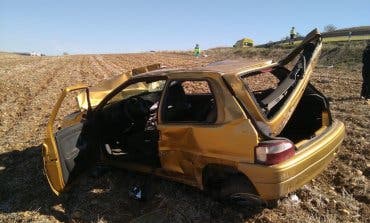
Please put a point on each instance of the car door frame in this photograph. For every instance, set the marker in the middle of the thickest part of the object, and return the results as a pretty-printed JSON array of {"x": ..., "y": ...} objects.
[
  {"x": 187, "y": 164},
  {"x": 117, "y": 163},
  {"x": 50, "y": 152}
]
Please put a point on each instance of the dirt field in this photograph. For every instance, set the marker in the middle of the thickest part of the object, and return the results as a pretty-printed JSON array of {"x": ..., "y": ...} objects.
[{"x": 29, "y": 87}]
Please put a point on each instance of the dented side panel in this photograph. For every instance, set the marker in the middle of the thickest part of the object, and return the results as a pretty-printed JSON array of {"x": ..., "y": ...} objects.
[
  {"x": 187, "y": 148},
  {"x": 197, "y": 146}
]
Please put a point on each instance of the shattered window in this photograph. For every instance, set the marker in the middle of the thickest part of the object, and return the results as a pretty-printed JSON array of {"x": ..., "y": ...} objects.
[
  {"x": 263, "y": 83},
  {"x": 258, "y": 82},
  {"x": 189, "y": 101},
  {"x": 138, "y": 88},
  {"x": 196, "y": 87}
]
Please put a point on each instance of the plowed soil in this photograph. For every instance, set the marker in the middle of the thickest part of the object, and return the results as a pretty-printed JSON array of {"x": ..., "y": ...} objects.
[{"x": 29, "y": 87}]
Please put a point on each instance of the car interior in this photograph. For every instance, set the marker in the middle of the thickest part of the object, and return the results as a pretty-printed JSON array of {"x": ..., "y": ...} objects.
[
  {"x": 307, "y": 118},
  {"x": 189, "y": 101},
  {"x": 128, "y": 125}
]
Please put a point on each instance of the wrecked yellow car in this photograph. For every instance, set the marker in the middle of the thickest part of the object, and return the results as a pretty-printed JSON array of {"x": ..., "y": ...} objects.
[{"x": 207, "y": 127}]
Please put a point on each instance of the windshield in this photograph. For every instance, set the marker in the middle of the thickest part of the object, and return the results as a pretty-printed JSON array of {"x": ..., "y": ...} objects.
[{"x": 138, "y": 89}]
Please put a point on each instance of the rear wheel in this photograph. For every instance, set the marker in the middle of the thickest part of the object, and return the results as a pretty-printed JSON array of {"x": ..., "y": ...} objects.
[
  {"x": 230, "y": 186},
  {"x": 270, "y": 204},
  {"x": 238, "y": 190}
]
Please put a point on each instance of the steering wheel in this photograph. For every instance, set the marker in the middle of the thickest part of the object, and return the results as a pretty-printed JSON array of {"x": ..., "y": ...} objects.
[{"x": 135, "y": 108}]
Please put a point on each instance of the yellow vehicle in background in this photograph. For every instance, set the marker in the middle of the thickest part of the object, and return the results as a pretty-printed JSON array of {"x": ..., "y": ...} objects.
[
  {"x": 245, "y": 42},
  {"x": 208, "y": 127}
]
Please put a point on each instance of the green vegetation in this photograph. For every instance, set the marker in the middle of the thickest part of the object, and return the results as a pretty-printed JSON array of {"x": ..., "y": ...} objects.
[
  {"x": 338, "y": 54},
  {"x": 337, "y": 39},
  {"x": 345, "y": 38},
  {"x": 342, "y": 54}
]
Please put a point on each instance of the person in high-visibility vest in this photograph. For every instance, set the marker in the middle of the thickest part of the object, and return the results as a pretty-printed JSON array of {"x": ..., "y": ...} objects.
[
  {"x": 293, "y": 34},
  {"x": 196, "y": 50}
]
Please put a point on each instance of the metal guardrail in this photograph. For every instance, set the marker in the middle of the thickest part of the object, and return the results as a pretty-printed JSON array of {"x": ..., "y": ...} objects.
[{"x": 346, "y": 33}]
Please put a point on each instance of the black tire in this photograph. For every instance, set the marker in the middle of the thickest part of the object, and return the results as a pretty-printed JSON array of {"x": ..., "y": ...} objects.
[
  {"x": 271, "y": 204},
  {"x": 238, "y": 190}
]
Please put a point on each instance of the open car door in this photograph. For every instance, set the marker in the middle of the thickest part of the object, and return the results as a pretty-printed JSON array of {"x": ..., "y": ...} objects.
[{"x": 65, "y": 152}]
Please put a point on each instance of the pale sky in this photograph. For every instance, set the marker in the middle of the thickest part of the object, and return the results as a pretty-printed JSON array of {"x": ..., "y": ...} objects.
[{"x": 53, "y": 27}]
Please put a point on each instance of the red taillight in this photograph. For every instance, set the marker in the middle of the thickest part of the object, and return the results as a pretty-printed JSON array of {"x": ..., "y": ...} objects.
[{"x": 274, "y": 151}]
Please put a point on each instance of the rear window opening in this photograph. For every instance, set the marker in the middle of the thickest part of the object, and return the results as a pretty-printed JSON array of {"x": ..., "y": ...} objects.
[
  {"x": 269, "y": 88},
  {"x": 273, "y": 86},
  {"x": 262, "y": 83}
]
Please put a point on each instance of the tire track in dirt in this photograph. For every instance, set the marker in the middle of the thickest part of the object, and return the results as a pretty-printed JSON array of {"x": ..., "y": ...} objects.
[
  {"x": 104, "y": 69},
  {"x": 23, "y": 86},
  {"x": 7, "y": 64},
  {"x": 131, "y": 61},
  {"x": 89, "y": 75},
  {"x": 85, "y": 70},
  {"x": 94, "y": 74},
  {"x": 111, "y": 67},
  {"x": 31, "y": 66},
  {"x": 17, "y": 77},
  {"x": 99, "y": 70},
  {"x": 29, "y": 114},
  {"x": 127, "y": 62}
]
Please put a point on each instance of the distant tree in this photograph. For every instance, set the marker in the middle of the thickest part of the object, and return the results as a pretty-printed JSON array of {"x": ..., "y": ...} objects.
[
  {"x": 330, "y": 28},
  {"x": 65, "y": 53}
]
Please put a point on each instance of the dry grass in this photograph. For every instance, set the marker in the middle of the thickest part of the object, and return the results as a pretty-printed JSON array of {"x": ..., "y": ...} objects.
[{"x": 29, "y": 88}]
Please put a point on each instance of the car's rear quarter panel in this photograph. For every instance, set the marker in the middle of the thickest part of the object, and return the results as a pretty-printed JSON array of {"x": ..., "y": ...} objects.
[
  {"x": 313, "y": 157},
  {"x": 187, "y": 148}
]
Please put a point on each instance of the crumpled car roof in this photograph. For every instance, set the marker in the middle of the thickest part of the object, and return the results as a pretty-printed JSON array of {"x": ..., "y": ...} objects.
[{"x": 225, "y": 67}]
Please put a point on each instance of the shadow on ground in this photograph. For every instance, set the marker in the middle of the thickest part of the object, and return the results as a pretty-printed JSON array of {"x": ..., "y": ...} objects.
[{"x": 24, "y": 189}]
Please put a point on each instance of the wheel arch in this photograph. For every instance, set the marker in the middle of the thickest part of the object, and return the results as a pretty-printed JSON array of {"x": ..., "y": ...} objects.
[{"x": 220, "y": 172}]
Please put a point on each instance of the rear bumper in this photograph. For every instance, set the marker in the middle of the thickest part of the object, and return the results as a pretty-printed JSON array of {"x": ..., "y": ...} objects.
[{"x": 272, "y": 182}]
